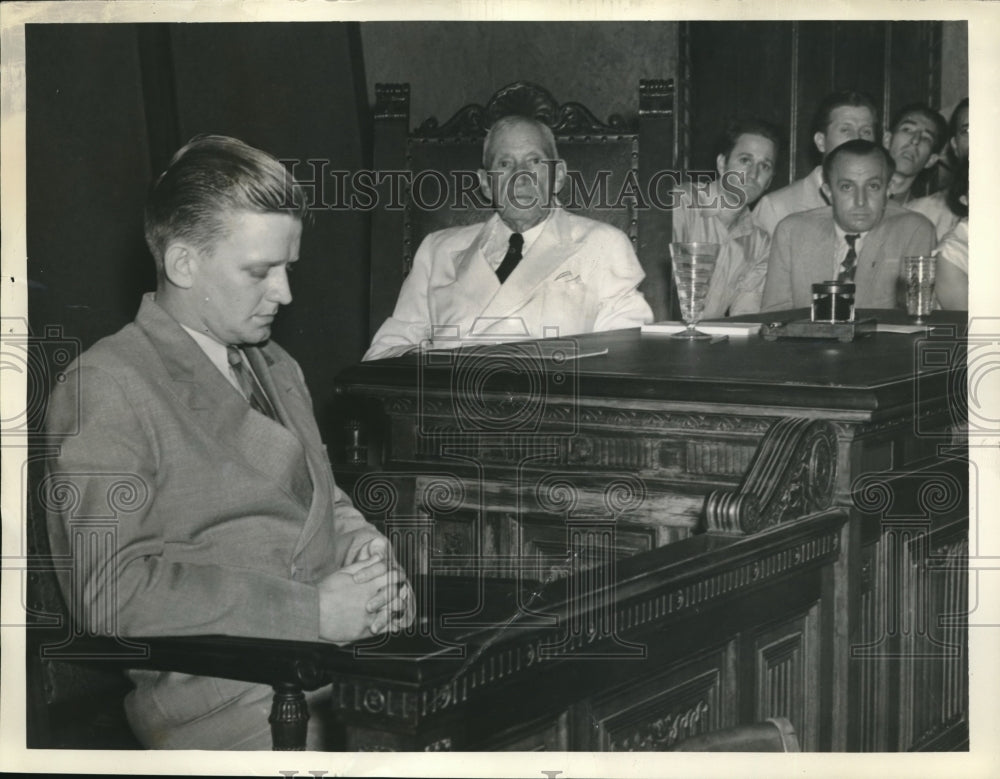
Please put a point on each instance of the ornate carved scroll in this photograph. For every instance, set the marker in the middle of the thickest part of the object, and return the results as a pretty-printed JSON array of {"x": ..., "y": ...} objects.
[
  {"x": 525, "y": 99},
  {"x": 792, "y": 473}
]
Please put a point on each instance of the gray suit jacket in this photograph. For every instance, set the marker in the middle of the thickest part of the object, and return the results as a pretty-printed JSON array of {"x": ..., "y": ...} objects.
[
  {"x": 228, "y": 518},
  {"x": 803, "y": 248}
]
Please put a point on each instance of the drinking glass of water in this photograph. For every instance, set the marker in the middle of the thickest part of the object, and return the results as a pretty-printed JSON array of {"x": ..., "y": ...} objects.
[
  {"x": 918, "y": 272},
  {"x": 693, "y": 264}
]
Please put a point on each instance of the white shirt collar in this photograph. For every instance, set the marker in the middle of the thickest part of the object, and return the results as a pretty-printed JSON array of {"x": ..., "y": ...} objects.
[
  {"x": 842, "y": 240},
  {"x": 531, "y": 235},
  {"x": 499, "y": 239},
  {"x": 215, "y": 352}
]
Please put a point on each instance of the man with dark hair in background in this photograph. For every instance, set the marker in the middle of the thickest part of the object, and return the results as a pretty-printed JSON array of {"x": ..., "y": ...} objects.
[
  {"x": 936, "y": 206},
  {"x": 841, "y": 116},
  {"x": 238, "y": 527},
  {"x": 914, "y": 140},
  {"x": 860, "y": 238},
  {"x": 720, "y": 213}
]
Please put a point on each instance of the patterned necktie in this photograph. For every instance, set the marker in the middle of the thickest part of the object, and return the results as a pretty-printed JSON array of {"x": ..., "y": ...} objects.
[
  {"x": 252, "y": 391},
  {"x": 850, "y": 263},
  {"x": 511, "y": 258}
]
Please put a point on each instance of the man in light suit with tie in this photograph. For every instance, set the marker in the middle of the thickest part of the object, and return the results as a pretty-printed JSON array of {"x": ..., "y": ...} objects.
[
  {"x": 236, "y": 526},
  {"x": 862, "y": 237},
  {"x": 531, "y": 271}
]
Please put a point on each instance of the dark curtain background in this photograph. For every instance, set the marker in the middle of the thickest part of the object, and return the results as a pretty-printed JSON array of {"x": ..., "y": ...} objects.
[{"x": 106, "y": 107}]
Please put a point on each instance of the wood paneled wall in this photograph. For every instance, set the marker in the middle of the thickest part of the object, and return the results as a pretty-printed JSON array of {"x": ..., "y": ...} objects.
[
  {"x": 780, "y": 71},
  {"x": 449, "y": 65},
  {"x": 107, "y": 107}
]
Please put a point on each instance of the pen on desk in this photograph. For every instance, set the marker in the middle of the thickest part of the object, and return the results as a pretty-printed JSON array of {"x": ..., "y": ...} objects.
[{"x": 578, "y": 355}]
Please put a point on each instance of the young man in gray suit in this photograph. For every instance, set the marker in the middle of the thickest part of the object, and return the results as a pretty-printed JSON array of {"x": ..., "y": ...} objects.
[
  {"x": 861, "y": 237},
  {"x": 235, "y": 525}
]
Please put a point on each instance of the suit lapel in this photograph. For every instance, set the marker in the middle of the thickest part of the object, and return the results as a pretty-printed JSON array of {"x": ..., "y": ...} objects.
[
  {"x": 291, "y": 408},
  {"x": 475, "y": 282},
  {"x": 262, "y": 444},
  {"x": 873, "y": 251},
  {"x": 550, "y": 250},
  {"x": 314, "y": 484},
  {"x": 821, "y": 262}
]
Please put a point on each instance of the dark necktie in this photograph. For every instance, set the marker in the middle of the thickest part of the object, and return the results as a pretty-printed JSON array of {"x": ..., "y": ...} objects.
[
  {"x": 511, "y": 258},
  {"x": 252, "y": 391},
  {"x": 850, "y": 263}
]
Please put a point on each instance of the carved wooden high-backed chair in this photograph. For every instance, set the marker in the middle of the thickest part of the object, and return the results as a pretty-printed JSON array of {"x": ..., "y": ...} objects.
[
  {"x": 69, "y": 705},
  {"x": 613, "y": 166}
]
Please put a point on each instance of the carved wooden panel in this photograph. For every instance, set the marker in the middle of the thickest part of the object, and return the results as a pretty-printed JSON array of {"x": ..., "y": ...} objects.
[
  {"x": 934, "y": 682},
  {"x": 552, "y": 544},
  {"x": 661, "y": 709},
  {"x": 660, "y": 464},
  {"x": 488, "y": 516},
  {"x": 678, "y": 456},
  {"x": 867, "y": 660},
  {"x": 786, "y": 657},
  {"x": 545, "y": 736},
  {"x": 362, "y": 739}
]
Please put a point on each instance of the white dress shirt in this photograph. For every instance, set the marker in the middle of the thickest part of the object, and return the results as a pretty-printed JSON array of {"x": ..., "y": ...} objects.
[{"x": 218, "y": 354}]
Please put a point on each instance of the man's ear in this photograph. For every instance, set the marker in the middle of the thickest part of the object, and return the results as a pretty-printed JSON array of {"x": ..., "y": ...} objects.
[
  {"x": 720, "y": 164},
  {"x": 560, "y": 177},
  {"x": 820, "y": 140},
  {"x": 179, "y": 264},
  {"x": 486, "y": 185},
  {"x": 827, "y": 191},
  {"x": 886, "y": 139},
  {"x": 932, "y": 161}
]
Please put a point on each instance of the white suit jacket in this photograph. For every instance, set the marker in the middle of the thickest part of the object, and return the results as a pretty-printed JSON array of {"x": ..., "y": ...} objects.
[{"x": 579, "y": 276}]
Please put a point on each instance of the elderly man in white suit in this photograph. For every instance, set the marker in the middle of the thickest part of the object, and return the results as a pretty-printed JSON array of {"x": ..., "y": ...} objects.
[{"x": 531, "y": 271}]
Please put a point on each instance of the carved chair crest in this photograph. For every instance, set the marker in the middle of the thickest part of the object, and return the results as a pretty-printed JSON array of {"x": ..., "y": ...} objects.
[{"x": 524, "y": 99}]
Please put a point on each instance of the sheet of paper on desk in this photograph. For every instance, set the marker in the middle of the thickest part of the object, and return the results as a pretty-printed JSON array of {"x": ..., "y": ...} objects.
[
  {"x": 732, "y": 329},
  {"x": 883, "y": 327}
]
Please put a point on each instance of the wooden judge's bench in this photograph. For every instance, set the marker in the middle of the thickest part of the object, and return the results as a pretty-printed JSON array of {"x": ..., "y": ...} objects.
[{"x": 621, "y": 540}]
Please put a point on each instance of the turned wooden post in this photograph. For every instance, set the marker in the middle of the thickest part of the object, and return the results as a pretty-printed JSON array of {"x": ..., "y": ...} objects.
[{"x": 289, "y": 718}]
